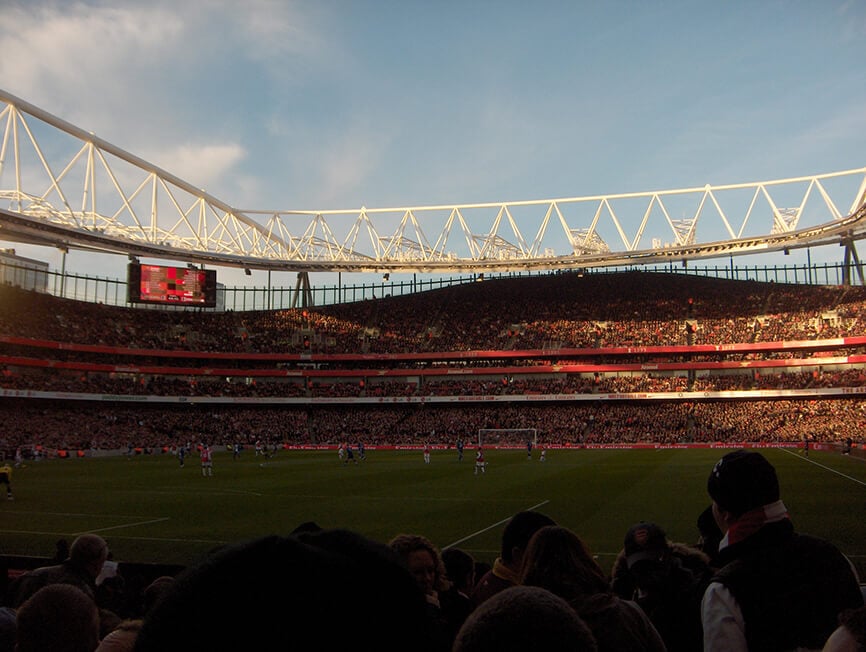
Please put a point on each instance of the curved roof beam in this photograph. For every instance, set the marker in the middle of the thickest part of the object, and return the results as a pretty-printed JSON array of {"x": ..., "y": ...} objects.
[{"x": 128, "y": 205}]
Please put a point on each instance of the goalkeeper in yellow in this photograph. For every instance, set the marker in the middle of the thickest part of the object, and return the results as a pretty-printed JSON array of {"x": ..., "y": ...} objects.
[{"x": 6, "y": 478}]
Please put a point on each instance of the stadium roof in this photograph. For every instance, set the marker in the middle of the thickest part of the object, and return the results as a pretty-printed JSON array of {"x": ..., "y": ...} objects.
[{"x": 63, "y": 187}]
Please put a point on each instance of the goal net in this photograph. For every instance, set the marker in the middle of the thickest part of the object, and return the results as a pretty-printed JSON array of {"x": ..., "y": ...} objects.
[{"x": 507, "y": 436}]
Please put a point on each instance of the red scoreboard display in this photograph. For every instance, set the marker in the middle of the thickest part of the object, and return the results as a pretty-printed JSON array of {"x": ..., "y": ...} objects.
[{"x": 172, "y": 286}]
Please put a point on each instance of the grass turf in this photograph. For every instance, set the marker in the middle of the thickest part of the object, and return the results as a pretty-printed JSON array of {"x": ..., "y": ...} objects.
[{"x": 151, "y": 510}]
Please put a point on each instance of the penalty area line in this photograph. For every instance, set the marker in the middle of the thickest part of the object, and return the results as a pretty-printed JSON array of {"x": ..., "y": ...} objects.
[
  {"x": 125, "y": 525},
  {"x": 490, "y": 527},
  {"x": 826, "y": 468}
]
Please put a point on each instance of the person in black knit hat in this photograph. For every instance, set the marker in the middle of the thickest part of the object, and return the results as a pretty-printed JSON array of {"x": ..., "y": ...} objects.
[{"x": 775, "y": 589}]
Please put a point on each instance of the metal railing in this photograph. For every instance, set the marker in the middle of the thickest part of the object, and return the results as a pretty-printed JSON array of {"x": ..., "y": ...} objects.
[{"x": 243, "y": 298}]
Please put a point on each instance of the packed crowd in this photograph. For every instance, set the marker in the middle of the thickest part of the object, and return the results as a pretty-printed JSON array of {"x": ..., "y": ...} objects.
[
  {"x": 749, "y": 581},
  {"x": 562, "y": 310},
  {"x": 365, "y": 385},
  {"x": 545, "y": 591},
  {"x": 73, "y": 426}
]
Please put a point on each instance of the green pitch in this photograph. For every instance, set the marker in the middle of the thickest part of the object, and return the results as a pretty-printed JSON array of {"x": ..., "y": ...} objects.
[{"x": 151, "y": 510}]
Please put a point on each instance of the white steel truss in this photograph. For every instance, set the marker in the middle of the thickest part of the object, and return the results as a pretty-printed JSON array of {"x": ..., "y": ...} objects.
[{"x": 95, "y": 195}]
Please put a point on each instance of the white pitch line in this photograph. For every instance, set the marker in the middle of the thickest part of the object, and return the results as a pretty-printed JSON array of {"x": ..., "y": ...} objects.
[
  {"x": 125, "y": 525},
  {"x": 64, "y": 534},
  {"x": 214, "y": 542},
  {"x": 806, "y": 459},
  {"x": 76, "y": 514},
  {"x": 196, "y": 492},
  {"x": 37, "y": 532},
  {"x": 490, "y": 527}
]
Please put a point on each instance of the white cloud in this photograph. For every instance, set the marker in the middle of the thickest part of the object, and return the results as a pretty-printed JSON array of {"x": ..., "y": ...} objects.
[
  {"x": 341, "y": 167},
  {"x": 205, "y": 166},
  {"x": 144, "y": 76},
  {"x": 122, "y": 52},
  {"x": 125, "y": 71},
  {"x": 854, "y": 16},
  {"x": 73, "y": 50},
  {"x": 272, "y": 29}
]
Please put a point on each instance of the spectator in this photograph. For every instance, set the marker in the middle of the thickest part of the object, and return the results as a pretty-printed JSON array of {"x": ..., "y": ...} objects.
[
  {"x": 61, "y": 551},
  {"x": 850, "y": 635},
  {"x": 508, "y": 566},
  {"x": 460, "y": 568},
  {"x": 7, "y": 629},
  {"x": 557, "y": 560},
  {"x": 424, "y": 562},
  {"x": 59, "y": 618},
  {"x": 330, "y": 590},
  {"x": 776, "y": 589},
  {"x": 86, "y": 557},
  {"x": 121, "y": 638},
  {"x": 524, "y": 619},
  {"x": 709, "y": 535},
  {"x": 667, "y": 580},
  {"x": 154, "y": 591}
]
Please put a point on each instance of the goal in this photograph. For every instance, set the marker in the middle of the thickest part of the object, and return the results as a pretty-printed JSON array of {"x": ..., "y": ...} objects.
[{"x": 507, "y": 436}]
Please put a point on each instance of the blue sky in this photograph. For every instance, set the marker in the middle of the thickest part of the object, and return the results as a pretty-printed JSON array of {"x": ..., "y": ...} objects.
[{"x": 282, "y": 105}]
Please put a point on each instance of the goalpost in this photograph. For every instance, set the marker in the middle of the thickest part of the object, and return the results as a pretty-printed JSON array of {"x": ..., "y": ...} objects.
[{"x": 507, "y": 436}]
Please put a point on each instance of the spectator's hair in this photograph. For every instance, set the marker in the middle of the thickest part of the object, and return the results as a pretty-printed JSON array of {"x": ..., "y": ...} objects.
[
  {"x": 405, "y": 544},
  {"x": 523, "y": 619},
  {"x": 88, "y": 548},
  {"x": 154, "y": 591},
  {"x": 61, "y": 553},
  {"x": 519, "y": 530},
  {"x": 271, "y": 592},
  {"x": 709, "y": 533},
  {"x": 60, "y": 618},
  {"x": 557, "y": 560},
  {"x": 306, "y": 526},
  {"x": 460, "y": 566}
]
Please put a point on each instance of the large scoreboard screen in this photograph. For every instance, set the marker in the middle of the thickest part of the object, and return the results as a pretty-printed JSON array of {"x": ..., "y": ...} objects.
[{"x": 184, "y": 286}]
